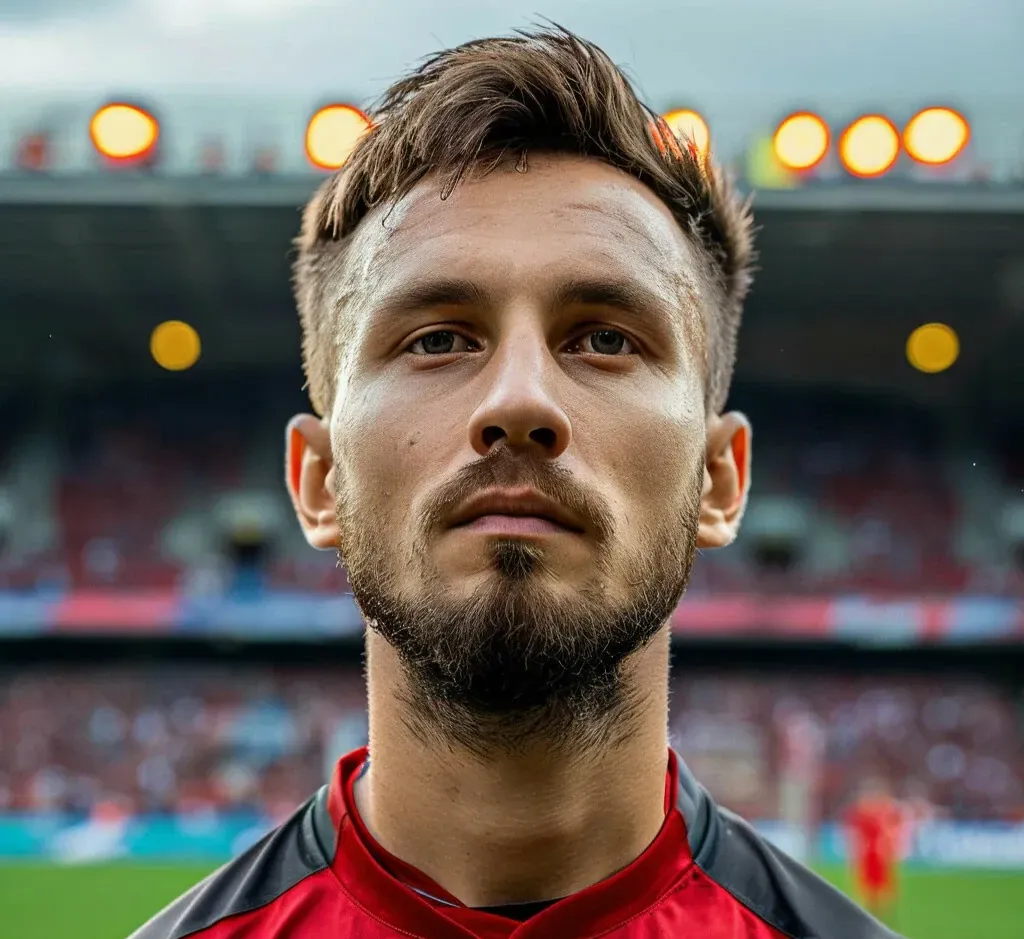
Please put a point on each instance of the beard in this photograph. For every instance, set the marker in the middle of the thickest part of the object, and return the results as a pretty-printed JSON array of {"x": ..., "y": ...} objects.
[{"x": 518, "y": 666}]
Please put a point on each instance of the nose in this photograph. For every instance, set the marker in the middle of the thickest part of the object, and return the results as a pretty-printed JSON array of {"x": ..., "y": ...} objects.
[{"x": 520, "y": 408}]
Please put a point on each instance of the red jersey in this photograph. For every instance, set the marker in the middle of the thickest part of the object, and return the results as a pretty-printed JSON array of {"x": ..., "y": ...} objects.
[
  {"x": 321, "y": 875},
  {"x": 875, "y": 827}
]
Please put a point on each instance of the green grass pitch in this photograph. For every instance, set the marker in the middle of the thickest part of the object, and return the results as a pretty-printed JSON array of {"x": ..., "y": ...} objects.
[{"x": 109, "y": 901}]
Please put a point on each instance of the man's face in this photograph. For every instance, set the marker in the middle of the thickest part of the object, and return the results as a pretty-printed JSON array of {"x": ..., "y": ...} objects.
[{"x": 541, "y": 332}]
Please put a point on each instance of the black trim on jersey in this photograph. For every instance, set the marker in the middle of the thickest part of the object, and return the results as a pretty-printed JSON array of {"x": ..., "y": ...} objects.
[
  {"x": 323, "y": 825},
  {"x": 520, "y": 912},
  {"x": 786, "y": 895},
  {"x": 782, "y": 892},
  {"x": 302, "y": 846}
]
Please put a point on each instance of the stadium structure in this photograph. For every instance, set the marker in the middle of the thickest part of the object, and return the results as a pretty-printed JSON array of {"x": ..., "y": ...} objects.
[{"x": 178, "y": 670}]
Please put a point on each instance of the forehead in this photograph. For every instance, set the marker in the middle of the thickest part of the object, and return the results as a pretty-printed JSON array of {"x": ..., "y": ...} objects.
[{"x": 565, "y": 214}]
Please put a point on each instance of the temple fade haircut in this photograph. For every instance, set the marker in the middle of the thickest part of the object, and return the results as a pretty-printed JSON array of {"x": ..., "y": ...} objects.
[{"x": 491, "y": 103}]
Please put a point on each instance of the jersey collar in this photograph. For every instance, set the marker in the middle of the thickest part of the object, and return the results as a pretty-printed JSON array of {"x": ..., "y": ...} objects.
[{"x": 413, "y": 903}]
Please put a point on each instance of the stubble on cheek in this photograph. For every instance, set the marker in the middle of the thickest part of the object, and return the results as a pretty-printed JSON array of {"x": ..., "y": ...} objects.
[{"x": 374, "y": 483}]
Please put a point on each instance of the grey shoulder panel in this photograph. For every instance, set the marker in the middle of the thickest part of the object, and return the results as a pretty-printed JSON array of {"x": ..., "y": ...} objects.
[
  {"x": 782, "y": 892},
  {"x": 302, "y": 846}
]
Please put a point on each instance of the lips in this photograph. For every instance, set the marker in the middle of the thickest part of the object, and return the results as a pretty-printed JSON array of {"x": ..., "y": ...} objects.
[
  {"x": 513, "y": 525},
  {"x": 524, "y": 503}
]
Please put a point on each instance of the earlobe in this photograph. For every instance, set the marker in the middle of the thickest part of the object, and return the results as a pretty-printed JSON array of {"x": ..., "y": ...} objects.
[
  {"x": 726, "y": 480},
  {"x": 308, "y": 478}
]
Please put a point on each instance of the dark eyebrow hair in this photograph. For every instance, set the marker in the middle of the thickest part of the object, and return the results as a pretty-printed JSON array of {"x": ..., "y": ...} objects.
[
  {"x": 628, "y": 296},
  {"x": 441, "y": 291},
  {"x": 625, "y": 295}
]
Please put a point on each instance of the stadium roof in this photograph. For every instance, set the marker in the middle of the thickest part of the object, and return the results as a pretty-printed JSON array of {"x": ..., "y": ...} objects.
[{"x": 88, "y": 266}]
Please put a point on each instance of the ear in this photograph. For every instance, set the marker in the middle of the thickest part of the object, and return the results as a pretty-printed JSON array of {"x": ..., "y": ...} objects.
[
  {"x": 726, "y": 480},
  {"x": 309, "y": 477}
]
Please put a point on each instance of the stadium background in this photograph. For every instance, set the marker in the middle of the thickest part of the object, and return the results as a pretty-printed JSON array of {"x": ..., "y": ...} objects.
[{"x": 178, "y": 670}]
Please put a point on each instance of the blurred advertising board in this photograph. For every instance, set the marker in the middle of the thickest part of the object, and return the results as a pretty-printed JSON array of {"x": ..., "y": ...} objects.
[
  {"x": 275, "y": 615},
  {"x": 216, "y": 837}
]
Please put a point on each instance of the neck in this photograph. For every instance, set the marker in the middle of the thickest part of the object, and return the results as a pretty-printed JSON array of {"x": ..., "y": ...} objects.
[{"x": 534, "y": 826}]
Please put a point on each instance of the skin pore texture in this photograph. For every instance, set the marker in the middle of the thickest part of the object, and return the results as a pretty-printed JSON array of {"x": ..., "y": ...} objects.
[{"x": 537, "y": 330}]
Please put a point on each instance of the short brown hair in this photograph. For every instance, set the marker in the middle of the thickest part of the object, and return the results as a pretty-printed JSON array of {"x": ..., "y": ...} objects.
[{"x": 490, "y": 102}]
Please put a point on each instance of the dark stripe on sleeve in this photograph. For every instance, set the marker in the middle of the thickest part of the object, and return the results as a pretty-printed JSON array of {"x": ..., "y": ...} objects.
[
  {"x": 788, "y": 896},
  {"x": 302, "y": 846}
]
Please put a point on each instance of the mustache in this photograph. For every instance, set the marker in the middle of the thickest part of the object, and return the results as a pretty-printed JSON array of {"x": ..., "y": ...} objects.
[{"x": 504, "y": 468}]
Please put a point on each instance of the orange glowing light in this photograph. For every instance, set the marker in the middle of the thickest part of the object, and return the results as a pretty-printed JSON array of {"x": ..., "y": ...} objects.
[
  {"x": 332, "y": 135},
  {"x": 689, "y": 126},
  {"x": 175, "y": 345},
  {"x": 801, "y": 141},
  {"x": 869, "y": 146},
  {"x": 124, "y": 132},
  {"x": 933, "y": 348},
  {"x": 936, "y": 135}
]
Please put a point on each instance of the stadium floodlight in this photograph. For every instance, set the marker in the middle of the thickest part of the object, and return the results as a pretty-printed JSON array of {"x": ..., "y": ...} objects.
[
  {"x": 869, "y": 146},
  {"x": 689, "y": 125},
  {"x": 332, "y": 134},
  {"x": 175, "y": 346},
  {"x": 124, "y": 133},
  {"x": 801, "y": 141},
  {"x": 936, "y": 136},
  {"x": 933, "y": 348}
]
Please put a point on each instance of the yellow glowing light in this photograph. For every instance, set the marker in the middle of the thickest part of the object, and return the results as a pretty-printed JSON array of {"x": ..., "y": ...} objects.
[
  {"x": 333, "y": 133},
  {"x": 933, "y": 347},
  {"x": 689, "y": 125},
  {"x": 936, "y": 135},
  {"x": 869, "y": 146},
  {"x": 175, "y": 345},
  {"x": 801, "y": 141},
  {"x": 124, "y": 132}
]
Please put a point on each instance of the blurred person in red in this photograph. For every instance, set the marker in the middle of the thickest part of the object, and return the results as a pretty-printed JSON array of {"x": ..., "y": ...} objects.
[
  {"x": 520, "y": 300},
  {"x": 876, "y": 827}
]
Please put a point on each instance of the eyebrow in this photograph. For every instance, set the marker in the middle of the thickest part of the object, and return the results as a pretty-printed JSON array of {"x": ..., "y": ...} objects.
[
  {"x": 442, "y": 291},
  {"x": 625, "y": 295}
]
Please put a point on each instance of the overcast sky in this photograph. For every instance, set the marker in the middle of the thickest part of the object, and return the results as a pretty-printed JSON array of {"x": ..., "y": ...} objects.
[{"x": 909, "y": 50}]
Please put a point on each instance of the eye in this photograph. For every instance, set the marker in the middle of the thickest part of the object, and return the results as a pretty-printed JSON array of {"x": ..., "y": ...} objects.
[
  {"x": 439, "y": 342},
  {"x": 605, "y": 342}
]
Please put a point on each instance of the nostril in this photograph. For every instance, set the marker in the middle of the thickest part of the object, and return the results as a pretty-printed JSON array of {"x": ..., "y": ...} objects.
[
  {"x": 545, "y": 436},
  {"x": 492, "y": 435}
]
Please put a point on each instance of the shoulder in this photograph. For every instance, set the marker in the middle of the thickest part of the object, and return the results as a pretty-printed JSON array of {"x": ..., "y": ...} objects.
[
  {"x": 777, "y": 889},
  {"x": 277, "y": 864},
  {"x": 784, "y": 893}
]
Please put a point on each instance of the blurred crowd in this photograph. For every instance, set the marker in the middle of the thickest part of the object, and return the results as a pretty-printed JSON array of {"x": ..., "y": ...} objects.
[
  {"x": 188, "y": 738},
  {"x": 169, "y": 494}
]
